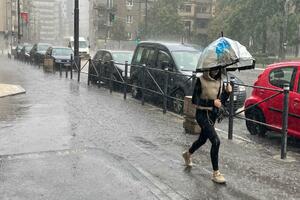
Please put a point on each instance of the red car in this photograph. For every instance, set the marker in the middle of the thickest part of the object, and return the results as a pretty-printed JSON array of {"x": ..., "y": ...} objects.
[{"x": 270, "y": 112}]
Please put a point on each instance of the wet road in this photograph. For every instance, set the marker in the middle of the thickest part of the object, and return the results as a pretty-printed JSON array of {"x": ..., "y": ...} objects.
[{"x": 64, "y": 140}]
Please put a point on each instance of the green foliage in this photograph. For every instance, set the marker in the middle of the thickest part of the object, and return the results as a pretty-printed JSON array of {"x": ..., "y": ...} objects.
[
  {"x": 163, "y": 20},
  {"x": 118, "y": 31},
  {"x": 261, "y": 20}
]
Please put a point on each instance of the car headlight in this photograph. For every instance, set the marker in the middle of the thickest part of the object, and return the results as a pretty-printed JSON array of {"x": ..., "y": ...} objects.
[
  {"x": 57, "y": 60},
  {"x": 242, "y": 88}
]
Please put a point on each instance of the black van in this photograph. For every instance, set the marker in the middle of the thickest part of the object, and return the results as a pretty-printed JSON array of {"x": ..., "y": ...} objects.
[{"x": 181, "y": 59}]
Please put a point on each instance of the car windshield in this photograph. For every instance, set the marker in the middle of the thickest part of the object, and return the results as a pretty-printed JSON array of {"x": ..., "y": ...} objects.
[
  {"x": 186, "y": 60},
  {"x": 43, "y": 47},
  {"x": 121, "y": 57},
  {"x": 28, "y": 48},
  {"x": 61, "y": 52}
]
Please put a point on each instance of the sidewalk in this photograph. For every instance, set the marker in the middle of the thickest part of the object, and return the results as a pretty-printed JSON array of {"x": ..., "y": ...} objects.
[{"x": 64, "y": 140}]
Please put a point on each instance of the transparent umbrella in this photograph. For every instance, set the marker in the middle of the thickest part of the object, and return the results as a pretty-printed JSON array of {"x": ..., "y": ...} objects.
[{"x": 227, "y": 54}]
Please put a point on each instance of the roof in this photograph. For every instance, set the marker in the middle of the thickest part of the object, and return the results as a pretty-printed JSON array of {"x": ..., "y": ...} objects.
[
  {"x": 43, "y": 44},
  {"x": 115, "y": 51},
  {"x": 285, "y": 63},
  {"x": 60, "y": 47},
  {"x": 174, "y": 46}
]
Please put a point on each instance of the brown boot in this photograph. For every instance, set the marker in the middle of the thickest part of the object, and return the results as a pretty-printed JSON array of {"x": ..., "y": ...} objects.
[
  {"x": 218, "y": 177},
  {"x": 187, "y": 159}
]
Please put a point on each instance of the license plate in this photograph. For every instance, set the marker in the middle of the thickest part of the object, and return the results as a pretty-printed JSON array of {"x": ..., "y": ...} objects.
[{"x": 67, "y": 64}]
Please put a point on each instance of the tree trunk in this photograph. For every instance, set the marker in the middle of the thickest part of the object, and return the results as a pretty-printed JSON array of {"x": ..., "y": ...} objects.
[
  {"x": 265, "y": 37},
  {"x": 281, "y": 35}
]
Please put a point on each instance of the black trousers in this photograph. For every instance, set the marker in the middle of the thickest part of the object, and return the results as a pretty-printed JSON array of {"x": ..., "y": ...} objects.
[{"x": 206, "y": 120}]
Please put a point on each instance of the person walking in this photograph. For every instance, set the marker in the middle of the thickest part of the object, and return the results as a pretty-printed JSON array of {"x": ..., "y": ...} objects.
[{"x": 209, "y": 95}]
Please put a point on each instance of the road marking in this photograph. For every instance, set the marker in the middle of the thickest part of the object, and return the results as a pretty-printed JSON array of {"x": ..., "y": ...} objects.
[
  {"x": 259, "y": 69},
  {"x": 235, "y": 136}
]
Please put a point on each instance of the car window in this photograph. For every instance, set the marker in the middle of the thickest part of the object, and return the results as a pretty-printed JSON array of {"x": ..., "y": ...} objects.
[
  {"x": 107, "y": 57},
  {"x": 138, "y": 56},
  {"x": 280, "y": 76},
  {"x": 148, "y": 57},
  {"x": 98, "y": 55},
  {"x": 186, "y": 60},
  {"x": 163, "y": 57},
  {"x": 122, "y": 57}
]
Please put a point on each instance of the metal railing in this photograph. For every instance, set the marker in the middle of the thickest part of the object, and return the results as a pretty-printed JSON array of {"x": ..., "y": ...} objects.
[
  {"x": 163, "y": 90},
  {"x": 283, "y": 128},
  {"x": 167, "y": 93}
]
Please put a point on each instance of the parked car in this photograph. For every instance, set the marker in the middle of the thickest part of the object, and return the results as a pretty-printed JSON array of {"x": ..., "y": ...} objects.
[
  {"x": 58, "y": 56},
  {"x": 119, "y": 57},
  {"x": 270, "y": 112},
  {"x": 84, "y": 49},
  {"x": 37, "y": 53},
  {"x": 25, "y": 53},
  {"x": 179, "y": 58}
]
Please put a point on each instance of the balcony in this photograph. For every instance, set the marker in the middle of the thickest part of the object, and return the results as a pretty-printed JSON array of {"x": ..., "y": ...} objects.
[
  {"x": 203, "y": 15},
  {"x": 201, "y": 30}
]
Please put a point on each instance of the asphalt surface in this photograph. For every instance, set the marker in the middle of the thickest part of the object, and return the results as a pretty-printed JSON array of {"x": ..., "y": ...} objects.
[{"x": 67, "y": 140}]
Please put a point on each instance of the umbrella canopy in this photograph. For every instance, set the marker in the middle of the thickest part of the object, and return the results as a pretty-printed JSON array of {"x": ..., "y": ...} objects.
[{"x": 225, "y": 53}]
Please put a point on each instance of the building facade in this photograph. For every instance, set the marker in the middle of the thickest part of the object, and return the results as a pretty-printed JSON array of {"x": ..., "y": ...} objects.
[
  {"x": 8, "y": 23},
  {"x": 196, "y": 15},
  {"x": 48, "y": 16}
]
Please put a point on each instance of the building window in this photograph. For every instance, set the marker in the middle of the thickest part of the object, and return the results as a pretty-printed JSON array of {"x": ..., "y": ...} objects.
[
  {"x": 188, "y": 8},
  {"x": 202, "y": 23},
  {"x": 129, "y": 19},
  {"x": 185, "y": 8},
  {"x": 204, "y": 8},
  {"x": 129, "y": 36},
  {"x": 129, "y": 2}
]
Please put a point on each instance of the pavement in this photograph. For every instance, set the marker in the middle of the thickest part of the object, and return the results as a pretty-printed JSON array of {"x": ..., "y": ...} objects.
[
  {"x": 9, "y": 90},
  {"x": 66, "y": 140}
]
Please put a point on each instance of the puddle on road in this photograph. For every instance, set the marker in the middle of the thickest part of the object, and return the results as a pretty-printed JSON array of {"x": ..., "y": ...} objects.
[{"x": 12, "y": 108}]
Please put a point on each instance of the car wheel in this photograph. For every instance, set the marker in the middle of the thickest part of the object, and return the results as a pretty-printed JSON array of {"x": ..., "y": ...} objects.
[
  {"x": 135, "y": 91},
  {"x": 257, "y": 115},
  {"x": 178, "y": 102}
]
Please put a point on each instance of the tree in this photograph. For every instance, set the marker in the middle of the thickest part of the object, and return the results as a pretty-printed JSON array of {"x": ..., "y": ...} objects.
[
  {"x": 163, "y": 20},
  {"x": 262, "y": 20},
  {"x": 118, "y": 31}
]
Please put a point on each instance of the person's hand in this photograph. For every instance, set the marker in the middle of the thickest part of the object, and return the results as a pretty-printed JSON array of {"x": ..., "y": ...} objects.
[
  {"x": 217, "y": 103},
  {"x": 228, "y": 88}
]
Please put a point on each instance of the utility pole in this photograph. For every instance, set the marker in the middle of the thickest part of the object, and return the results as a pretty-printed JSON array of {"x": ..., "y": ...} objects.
[
  {"x": 76, "y": 33},
  {"x": 19, "y": 31}
]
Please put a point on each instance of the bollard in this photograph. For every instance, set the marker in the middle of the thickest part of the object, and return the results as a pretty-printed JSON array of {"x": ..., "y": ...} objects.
[
  {"x": 66, "y": 71},
  {"x": 89, "y": 72},
  {"x": 285, "y": 115},
  {"x": 71, "y": 66},
  {"x": 231, "y": 109},
  {"x": 111, "y": 66},
  {"x": 71, "y": 71},
  {"x": 165, "y": 95},
  {"x": 143, "y": 83},
  {"x": 79, "y": 68},
  {"x": 125, "y": 80},
  {"x": 60, "y": 70},
  {"x": 99, "y": 73}
]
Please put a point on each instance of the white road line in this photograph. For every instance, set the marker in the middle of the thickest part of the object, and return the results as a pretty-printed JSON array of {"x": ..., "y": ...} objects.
[
  {"x": 234, "y": 136},
  {"x": 259, "y": 69}
]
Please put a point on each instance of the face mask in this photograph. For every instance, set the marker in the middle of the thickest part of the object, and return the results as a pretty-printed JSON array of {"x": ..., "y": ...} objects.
[{"x": 214, "y": 73}]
